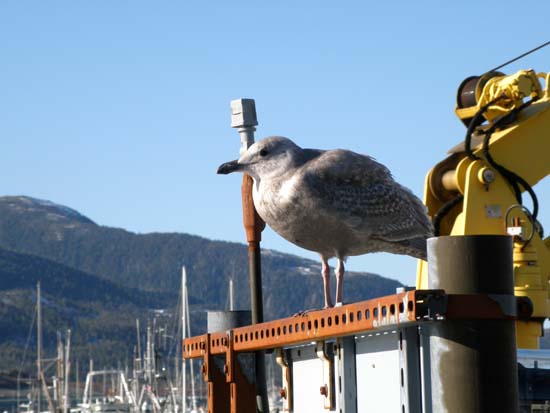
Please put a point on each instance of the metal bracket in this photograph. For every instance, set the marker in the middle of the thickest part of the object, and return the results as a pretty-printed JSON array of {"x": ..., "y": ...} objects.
[
  {"x": 242, "y": 388},
  {"x": 327, "y": 388},
  {"x": 286, "y": 389},
  {"x": 218, "y": 390},
  {"x": 508, "y": 303},
  {"x": 431, "y": 304},
  {"x": 229, "y": 368},
  {"x": 205, "y": 351},
  {"x": 347, "y": 377},
  {"x": 481, "y": 307}
]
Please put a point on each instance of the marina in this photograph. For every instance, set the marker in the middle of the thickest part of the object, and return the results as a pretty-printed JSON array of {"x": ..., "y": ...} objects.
[{"x": 274, "y": 207}]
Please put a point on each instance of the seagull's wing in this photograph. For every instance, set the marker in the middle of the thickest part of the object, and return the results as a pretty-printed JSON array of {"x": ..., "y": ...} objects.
[{"x": 362, "y": 193}]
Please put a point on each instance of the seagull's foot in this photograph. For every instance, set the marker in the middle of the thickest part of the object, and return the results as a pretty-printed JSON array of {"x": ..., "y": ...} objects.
[
  {"x": 303, "y": 313},
  {"x": 340, "y": 304}
]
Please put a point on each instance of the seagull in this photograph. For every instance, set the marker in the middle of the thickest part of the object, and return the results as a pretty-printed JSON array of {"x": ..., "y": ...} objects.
[{"x": 337, "y": 203}]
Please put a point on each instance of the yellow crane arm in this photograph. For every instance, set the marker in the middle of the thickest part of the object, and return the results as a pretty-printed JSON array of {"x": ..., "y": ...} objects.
[{"x": 468, "y": 195}]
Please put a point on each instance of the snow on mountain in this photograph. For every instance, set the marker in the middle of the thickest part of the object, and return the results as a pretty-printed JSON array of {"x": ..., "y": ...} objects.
[{"x": 51, "y": 210}]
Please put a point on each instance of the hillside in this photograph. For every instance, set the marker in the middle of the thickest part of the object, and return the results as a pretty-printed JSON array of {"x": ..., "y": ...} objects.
[
  {"x": 96, "y": 310},
  {"x": 99, "y": 279},
  {"x": 152, "y": 262}
]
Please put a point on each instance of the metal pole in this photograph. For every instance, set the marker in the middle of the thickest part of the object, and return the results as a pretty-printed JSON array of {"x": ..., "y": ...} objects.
[
  {"x": 58, "y": 394},
  {"x": 231, "y": 299},
  {"x": 191, "y": 368},
  {"x": 139, "y": 355},
  {"x": 77, "y": 385},
  {"x": 66, "y": 400},
  {"x": 473, "y": 365},
  {"x": 244, "y": 119},
  {"x": 183, "y": 331},
  {"x": 91, "y": 368},
  {"x": 39, "y": 346}
]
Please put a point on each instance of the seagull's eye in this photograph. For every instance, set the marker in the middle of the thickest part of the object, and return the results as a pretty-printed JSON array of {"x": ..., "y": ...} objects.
[{"x": 263, "y": 153}]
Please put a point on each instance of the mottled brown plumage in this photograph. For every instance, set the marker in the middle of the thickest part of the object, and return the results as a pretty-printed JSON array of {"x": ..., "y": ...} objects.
[{"x": 337, "y": 203}]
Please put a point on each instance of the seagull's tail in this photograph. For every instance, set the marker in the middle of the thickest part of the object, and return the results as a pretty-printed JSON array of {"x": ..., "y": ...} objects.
[{"x": 415, "y": 247}]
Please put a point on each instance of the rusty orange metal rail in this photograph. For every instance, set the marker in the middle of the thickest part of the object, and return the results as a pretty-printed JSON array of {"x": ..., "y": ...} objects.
[
  {"x": 393, "y": 310},
  {"x": 405, "y": 307},
  {"x": 229, "y": 390}
]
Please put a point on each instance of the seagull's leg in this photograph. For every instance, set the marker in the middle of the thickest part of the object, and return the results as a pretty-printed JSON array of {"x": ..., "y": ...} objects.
[
  {"x": 325, "y": 271},
  {"x": 339, "y": 281}
]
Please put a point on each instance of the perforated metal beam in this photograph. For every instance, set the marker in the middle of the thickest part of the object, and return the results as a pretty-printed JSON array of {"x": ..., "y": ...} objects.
[
  {"x": 402, "y": 309},
  {"x": 406, "y": 307}
]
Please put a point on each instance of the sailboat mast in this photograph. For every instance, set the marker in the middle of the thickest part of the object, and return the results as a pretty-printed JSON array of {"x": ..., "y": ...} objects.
[
  {"x": 39, "y": 347},
  {"x": 231, "y": 296},
  {"x": 139, "y": 355},
  {"x": 66, "y": 401},
  {"x": 58, "y": 393},
  {"x": 183, "y": 330},
  {"x": 150, "y": 351},
  {"x": 191, "y": 369},
  {"x": 77, "y": 385}
]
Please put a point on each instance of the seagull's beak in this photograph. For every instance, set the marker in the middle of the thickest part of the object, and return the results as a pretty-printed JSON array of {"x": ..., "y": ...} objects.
[{"x": 228, "y": 167}]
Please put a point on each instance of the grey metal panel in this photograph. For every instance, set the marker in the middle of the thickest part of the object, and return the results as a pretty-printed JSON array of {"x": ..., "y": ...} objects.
[
  {"x": 378, "y": 373},
  {"x": 346, "y": 380},
  {"x": 425, "y": 371},
  {"x": 409, "y": 360},
  {"x": 307, "y": 379}
]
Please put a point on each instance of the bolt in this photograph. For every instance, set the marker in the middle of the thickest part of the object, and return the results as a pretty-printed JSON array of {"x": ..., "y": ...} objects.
[
  {"x": 282, "y": 392},
  {"x": 487, "y": 175},
  {"x": 324, "y": 390}
]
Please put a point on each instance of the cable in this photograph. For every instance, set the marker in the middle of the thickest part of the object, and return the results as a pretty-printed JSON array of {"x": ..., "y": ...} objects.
[
  {"x": 474, "y": 123},
  {"x": 27, "y": 343},
  {"x": 477, "y": 119},
  {"x": 511, "y": 177},
  {"x": 443, "y": 211},
  {"x": 520, "y": 56}
]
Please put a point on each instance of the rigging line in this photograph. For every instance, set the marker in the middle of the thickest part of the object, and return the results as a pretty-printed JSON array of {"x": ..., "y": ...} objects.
[
  {"x": 31, "y": 328},
  {"x": 443, "y": 211},
  {"x": 520, "y": 56},
  {"x": 175, "y": 327}
]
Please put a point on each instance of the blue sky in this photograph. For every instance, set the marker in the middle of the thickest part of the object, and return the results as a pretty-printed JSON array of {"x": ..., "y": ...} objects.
[{"x": 120, "y": 109}]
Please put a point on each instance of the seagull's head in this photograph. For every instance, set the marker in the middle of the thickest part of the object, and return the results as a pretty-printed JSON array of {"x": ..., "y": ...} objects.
[{"x": 269, "y": 157}]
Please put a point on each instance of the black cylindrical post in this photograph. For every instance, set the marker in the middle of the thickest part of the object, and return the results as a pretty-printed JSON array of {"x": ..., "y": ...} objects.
[
  {"x": 473, "y": 362},
  {"x": 257, "y": 308},
  {"x": 255, "y": 271},
  {"x": 217, "y": 321}
]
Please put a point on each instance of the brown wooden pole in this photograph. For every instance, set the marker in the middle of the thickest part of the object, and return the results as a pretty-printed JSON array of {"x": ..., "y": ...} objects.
[{"x": 254, "y": 226}]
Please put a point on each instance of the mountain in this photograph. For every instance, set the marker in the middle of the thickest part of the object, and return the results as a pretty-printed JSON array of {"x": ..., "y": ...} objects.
[
  {"x": 96, "y": 310},
  {"x": 152, "y": 262},
  {"x": 96, "y": 277}
]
